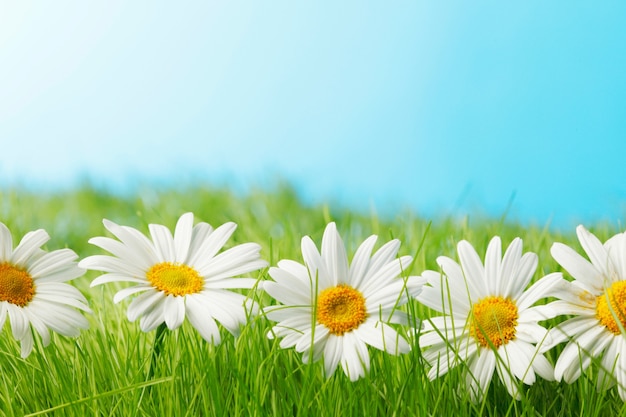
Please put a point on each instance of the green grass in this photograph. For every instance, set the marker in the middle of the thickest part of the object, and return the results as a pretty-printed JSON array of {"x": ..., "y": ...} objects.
[{"x": 104, "y": 372}]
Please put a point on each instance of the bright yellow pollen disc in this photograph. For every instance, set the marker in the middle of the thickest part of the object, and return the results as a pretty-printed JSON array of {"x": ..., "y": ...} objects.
[
  {"x": 494, "y": 320},
  {"x": 175, "y": 279},
  {"x": 16, "y": 285},
  {"x": 341, "y": 309},
  {"x": 617, "y": 294}
]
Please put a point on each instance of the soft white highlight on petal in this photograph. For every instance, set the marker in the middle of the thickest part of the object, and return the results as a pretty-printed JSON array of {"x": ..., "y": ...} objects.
[
  {"x": 539, "y": 290},
  {"x": 163, "y": 243},
  {"x": 621, "y": 366},
  {"x": 616, "y": 249},
  {"x": 299, "y": 292},
  {"x": 126, "y": 292},
  {"x": 113, "y": 277},
  {"x": 145, "y": 303},
  {"x": 29, "y": 245},
  {"x": 493, "y": 259},
  {"x": 174, "y": 308},
  {"x": 334, "y": 255},
  {"x": 139, "y": 247},
  {"x": 518, "y": 356},
  {"x": 527, "y": 267},
  {"x": 508, "y": 380},
  {"x": 211, "y": 244},
  {"x": 200, "y": 318},
  {"x": 510, "y": 265},
  {"x": 182, "y": 237},
  {"x": 473, "y": 269},
  {"x": 465, "y": 288},
  {"x": 595, "y": 251},
  {"x": 26, "y": 344},
  {"x": 384, "y": 276},
  {"x": 39, "y": 326},
  {"x": 110, "y": 264},
  {"x": 315, "y": 265},
  {"x": 241, "y": 259},
  {"x": 361, "y": 260},
  {"x": 51, "y": 262},
  {"x": 481, "y": 368},
  {"x": 570, "y": 366},
  {"x": 6, "y": 243},
  {"x": 354, "y": 365},
  {"x": 332, "y": 354},
  {"x": 152, "y": 318}
]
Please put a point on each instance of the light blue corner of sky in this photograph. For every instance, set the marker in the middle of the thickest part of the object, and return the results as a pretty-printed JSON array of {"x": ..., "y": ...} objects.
[{"x": 448, "y": 108}]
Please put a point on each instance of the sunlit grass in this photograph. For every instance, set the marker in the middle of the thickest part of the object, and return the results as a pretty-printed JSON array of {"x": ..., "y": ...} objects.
[{"x": 105, "y": 370}]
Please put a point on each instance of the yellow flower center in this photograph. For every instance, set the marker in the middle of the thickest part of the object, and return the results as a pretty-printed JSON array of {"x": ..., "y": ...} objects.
[
  {"x": 617, "y": 311},
  {"x": 175, "y": 279},
  {"x": 493, "y": 321},
  {"x": 16, "y": 285},
  {"x": 341, "y": 309}
]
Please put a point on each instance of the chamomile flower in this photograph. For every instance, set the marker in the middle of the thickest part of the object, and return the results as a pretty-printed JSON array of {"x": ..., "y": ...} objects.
[
  {"x": 597, "y": 299},
  {"x": 488, "y": 321},
  {"x": 34, "y": 290},
  {"x": 178, "y": 276},
  {"x": 332, "y": 309}
]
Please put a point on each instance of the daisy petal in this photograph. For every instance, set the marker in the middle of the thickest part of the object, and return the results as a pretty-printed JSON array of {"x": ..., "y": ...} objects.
[
  {"x": 174, "y": 308},
  {"x": 200, "y": 318},
  {"x": 595, "y": 250},
  {"x": 334, "y": 255},
  {"x": 540, "y": 289},
  {"x": 578, "y": 267},
  {"x": 517, "y": 283},
  {"x": 46, "y": 302},
  {"x": 472, "y": 266},
  {"x": 492, "y": 263},
  {"x": 6, "y": 243},
  {"x": 182, "y": 237},
  {"x": 139, "y": 247},
  {"x": 510, "y": 265},
  {"x": 481, "y": 368},
  {"x": 19, "y": 321},
  {"x": 361, "y": 260},
  {"x": 163, "y": 243},
  {"x": 213, "y": 242},
  {"x": 332, "y": 355},
  {"x": 26, "y": 344},
  {"x": 30, "y": 243}
]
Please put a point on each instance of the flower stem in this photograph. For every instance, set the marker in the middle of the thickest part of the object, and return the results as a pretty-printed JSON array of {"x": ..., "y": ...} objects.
[{"x": 157, "y": 348}]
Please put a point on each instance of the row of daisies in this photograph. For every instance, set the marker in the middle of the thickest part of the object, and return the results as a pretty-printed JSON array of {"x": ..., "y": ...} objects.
[{"x": 330, "y": 309}]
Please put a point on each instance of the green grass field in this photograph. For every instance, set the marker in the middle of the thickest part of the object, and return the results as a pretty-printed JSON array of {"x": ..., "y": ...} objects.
[{"x": 104, "y": 372}]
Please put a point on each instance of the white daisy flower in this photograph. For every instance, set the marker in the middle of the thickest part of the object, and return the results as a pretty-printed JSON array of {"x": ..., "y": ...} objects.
[
  {"x": 488, "y": 322},
  {"x": 597, "y": 299},
  {"x": 178, "y": 276},
  {"x": 334, "y": 310},
  {"x": 34, "y": 292}
]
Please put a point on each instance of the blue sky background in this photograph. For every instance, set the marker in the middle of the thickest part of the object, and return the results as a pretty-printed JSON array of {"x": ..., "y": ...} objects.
[{"x": 446, "y": 107}]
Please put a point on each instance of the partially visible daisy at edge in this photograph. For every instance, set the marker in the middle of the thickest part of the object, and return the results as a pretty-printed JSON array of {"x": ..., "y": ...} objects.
[
  {"x": 489, "y": 322},
  {"x": 179, "y": 276},
  {"x": 597, "y": 299},
  {"x": 332, "y": 309},
  {"x": 34, "y": 292}
]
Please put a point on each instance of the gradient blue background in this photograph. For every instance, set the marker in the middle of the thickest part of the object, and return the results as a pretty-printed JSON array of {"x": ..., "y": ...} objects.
[{"x": 446, "y": 107}]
